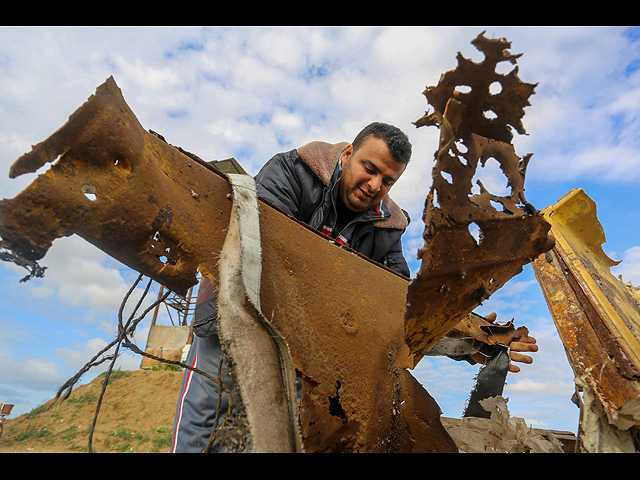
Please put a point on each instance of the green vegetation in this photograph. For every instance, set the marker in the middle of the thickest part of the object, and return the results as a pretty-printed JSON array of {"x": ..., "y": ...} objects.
[
  {"x": 136, "y": 416},
  {"x": 166, "y": 367},
  {"x": 114, "y": 375}
]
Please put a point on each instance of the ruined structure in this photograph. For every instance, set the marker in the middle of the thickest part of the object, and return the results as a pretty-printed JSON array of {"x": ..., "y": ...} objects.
[{"x": 168, "y": 214}]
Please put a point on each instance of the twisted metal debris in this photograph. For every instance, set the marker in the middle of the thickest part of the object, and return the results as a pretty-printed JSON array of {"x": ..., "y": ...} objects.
[{"x": 458, "y": 272}]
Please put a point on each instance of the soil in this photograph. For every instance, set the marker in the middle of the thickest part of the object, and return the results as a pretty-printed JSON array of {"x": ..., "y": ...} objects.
[{"x": 136, "y": 416}]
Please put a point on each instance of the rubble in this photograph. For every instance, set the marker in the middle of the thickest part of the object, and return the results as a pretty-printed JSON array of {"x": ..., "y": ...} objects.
[{"x": 501, "y": 433}]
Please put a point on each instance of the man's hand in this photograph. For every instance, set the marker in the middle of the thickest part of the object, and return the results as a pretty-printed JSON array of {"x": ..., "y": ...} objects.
[{"x": 519, "y": 344}]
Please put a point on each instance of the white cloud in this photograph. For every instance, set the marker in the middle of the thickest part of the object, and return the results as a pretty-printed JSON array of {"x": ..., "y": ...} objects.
[
  {"x": 284, "y": 120},
  {"x": 284, "y": 49},
  {"x": 32, "y": 373},
  {"x": 75, "y": 359},
  {"x": 549, "y": 387},
  {"x": 77, "y": 274},
  {"x": 156, "y": 79}
]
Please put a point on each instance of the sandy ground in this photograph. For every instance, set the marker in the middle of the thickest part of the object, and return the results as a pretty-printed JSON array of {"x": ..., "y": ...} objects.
[{"x": 136, "y": 416}]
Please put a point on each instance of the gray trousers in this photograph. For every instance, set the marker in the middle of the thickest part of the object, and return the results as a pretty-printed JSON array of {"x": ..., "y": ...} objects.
[
  {"x": 198, "y": 401},
  {"x": 197, "y": 405}
]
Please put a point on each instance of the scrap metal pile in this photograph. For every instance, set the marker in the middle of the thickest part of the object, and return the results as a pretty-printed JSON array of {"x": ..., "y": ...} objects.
[{"x": 167, "y": 214}]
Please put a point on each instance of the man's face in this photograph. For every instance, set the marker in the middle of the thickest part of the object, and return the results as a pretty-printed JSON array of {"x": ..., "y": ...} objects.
[{"x": 367, "y": 174}]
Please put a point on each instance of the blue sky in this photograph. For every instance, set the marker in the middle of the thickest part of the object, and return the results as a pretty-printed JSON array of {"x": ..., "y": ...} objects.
[{"x": 251, "y": 92}]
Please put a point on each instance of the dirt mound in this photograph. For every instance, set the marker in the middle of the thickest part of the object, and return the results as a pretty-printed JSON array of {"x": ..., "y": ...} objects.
[{"x": 136, "y": 416}]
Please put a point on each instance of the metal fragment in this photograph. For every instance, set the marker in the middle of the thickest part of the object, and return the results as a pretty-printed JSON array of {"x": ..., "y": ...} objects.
[
  {"x": 347, "y": 344},
  {"x": 123, "y": 189},
  {"x": 458, "y": 272},
  {"x": 489, "y": 382},
  {"x": 598, "y": 321}
]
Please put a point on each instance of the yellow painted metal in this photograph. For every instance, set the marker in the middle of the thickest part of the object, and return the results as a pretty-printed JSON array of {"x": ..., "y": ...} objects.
[
  {"x": 577, "y": 230},
  {"x": 596, "y": 314}
]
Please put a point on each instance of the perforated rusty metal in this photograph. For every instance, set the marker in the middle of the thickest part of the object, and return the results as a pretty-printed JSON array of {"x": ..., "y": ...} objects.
[
  {"x": 123, "y": 189},
  {"x": 458, "y": 272},
  {"x": 166, "y": 214}
]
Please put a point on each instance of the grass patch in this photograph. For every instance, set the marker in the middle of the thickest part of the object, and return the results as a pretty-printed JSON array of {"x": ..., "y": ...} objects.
[
  {"x": 115, "y": 374},
  {"x": 33, "y": 433},
  {"x": 85, "y": 398},
  {"x": 162, "y": 439},
  {"x": 35, "y": 412}
]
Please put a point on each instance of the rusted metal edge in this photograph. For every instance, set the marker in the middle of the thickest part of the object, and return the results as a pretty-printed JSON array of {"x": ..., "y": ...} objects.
[
  {"x": 458, "y": 272},
  {"x": 600, "y": 347}
]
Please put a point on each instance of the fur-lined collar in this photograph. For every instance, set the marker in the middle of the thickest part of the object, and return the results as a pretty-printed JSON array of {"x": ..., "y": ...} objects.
[{"x": 322, "y": 158}]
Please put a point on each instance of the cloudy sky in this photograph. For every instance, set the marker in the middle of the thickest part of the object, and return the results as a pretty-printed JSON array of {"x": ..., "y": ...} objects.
[{"x": 250, "y": 92}]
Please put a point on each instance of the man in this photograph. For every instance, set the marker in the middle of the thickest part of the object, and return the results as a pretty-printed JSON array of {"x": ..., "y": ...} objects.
[{"x": 338, "y": 189}]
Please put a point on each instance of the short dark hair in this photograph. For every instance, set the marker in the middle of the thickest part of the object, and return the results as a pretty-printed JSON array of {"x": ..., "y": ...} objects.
[{"x": 396, "y": 140}]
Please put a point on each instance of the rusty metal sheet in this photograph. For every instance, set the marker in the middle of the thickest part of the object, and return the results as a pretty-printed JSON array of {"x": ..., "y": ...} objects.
[
  {"x": 154, "y": 201},
  {"x": 347, "y": 343},
  {"x": 486, "y": 331},
  {"x": 596, "y": 315},
  {"x": 123, "y": 189},
  {"x": 165, "y": 213},
  {"x": 457, "y": 272}
]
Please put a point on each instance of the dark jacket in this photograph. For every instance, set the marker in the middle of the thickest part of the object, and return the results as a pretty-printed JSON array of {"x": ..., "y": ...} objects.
[{"x": 303, "y": 182}]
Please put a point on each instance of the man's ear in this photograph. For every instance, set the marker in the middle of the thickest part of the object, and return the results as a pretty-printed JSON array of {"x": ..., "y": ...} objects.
[{"x": 346, "y": 154}]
